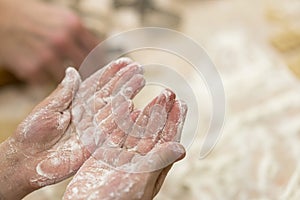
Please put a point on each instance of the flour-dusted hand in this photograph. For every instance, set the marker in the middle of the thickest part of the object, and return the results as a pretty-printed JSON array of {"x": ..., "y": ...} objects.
[
  {"x": 94, "y": 104},
  {"x": 51, "y": 141},
  {"x": 135, "y": 166},
  {"x": 34, "y": 137}
]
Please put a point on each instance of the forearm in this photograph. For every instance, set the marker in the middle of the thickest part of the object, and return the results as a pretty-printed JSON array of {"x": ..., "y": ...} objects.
[{"x": 13, "y": 183}]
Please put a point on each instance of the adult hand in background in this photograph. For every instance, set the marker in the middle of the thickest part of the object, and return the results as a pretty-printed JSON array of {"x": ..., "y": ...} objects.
[
  {"x": 47, "y": 146},
  {"x": 39, "y": 39},
  {"x": 135, "y": 158}
]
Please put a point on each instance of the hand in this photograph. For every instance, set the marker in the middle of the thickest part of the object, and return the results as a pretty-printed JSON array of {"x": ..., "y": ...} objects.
[
  {"x": 39, "y": 132},
  {"x": 48, "y": 139},
  {"x": 133, "y": 165},
  {"x": 37, "y": 39}
]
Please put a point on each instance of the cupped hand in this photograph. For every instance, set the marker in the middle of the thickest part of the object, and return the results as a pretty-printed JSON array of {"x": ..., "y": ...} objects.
[
  {"x": 39, "y": 39},
  {"x": 135, "y": 158},
  {"x": 54, "y": 138}
]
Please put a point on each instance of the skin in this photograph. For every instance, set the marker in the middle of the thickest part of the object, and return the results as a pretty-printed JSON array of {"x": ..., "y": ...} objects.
[
  {"x": 38, "y": 40},
  {"x": 132, "y": 151},
  {"x": 46, "y": 147},
  {"x": 133, "y": 162}
]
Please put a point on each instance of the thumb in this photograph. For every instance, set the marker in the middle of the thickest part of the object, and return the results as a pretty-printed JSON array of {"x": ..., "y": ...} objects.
[
  {"x": 161, "y": 156},
  {"x": 51, "y": 115},
  {"x": 61, "y": 98},
  {"x": 159, "y": 161}
]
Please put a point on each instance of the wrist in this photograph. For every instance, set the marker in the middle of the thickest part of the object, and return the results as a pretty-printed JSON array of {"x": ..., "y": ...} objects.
[{"x": 13, "y": 181}]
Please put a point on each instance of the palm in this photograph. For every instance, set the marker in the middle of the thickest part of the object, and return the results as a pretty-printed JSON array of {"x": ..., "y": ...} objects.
[
  {"x": 134, "y": 159},
  {"x": 59, "y": 152},
  {"x": 93, "y": 105}
]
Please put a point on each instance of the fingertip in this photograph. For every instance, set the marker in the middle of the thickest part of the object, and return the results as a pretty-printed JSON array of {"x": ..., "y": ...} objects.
[
  {"x": 133, "y": 86},
  {"x": 175, "y": 147},
  {"x": 166, "y": 99},
  {"x": 72, "y": 77},
  {"x": 140, "y": 68},
  {"x": 170, "y": 95},
  {"x": 106, "y": 74},
  {"x": 61, "y": 98},
  {"x": 120, "y": 63},
  {"x": 162, "y": 155},
  {"x": 182, "y": 107},
  {"x": 179, "y": 149},
  {"x": 123, "y": 60},
  {"x": 123, "y": 108}
]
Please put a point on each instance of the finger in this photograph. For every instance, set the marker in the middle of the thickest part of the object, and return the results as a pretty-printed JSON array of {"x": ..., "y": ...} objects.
[
  {"x": 61, "y": 98},
  {"x": 159, "y": 157},
  {"x": 90, "y": 138},
  {"x": 43, "y": 127},
  {"x": 117, "y": 137},
  {"x": 90, "y": 86},
  {"x": 173, "y": 128},
  {"x": 119, "y": 79},
  {"x": 165, "y": 99},
  {"x": 106, "y": 124},
  {"x": 130, "y": 89},
  {"x": 99, "y": 102},
  {"x": 129, "y": 80},
  {"x": 110, "y": 146},
  {"x": 146, "y": 131},
  {"x": 104, "y": 75},
  {"x": 139, "y": 126},
  {"x": 51, "y": 115},
  {"x": 120, "y": 104},
  {"x": 122, "y": 82},
  {"x": 94, "y": 130},
  {"x": 123, "y": 119}
]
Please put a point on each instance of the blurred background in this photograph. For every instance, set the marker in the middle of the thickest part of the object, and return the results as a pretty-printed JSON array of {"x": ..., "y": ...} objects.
[{"x": 255, "y": 45}]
